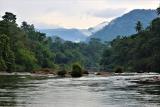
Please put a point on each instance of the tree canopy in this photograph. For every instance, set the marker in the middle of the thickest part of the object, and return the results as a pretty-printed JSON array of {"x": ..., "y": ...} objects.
[
  {"x": 25, "y": 49},
  {"x": 139, "y": 52}
]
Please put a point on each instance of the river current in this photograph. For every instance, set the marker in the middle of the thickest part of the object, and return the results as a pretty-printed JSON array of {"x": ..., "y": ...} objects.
[{"x": 90, "y": 91}]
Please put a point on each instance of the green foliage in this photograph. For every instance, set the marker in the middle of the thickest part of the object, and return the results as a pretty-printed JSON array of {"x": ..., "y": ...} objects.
[
  {"x": 76, "y": 70},
  {"x": 62, "y": 73},
  {"x": 139, "y": 52},
  {"x": 44, "y": 56},
  {"x": 88, "y": 55},
  {"x": 85, "y": 72},
  {"x": 10, "y": 61},
  {"x": 158, "y": 10},
  {"x": 118, "y": 69},
  {"x": 9, "y": 17},
  {"x": 6, "y": 54},
  {"x": 3, "y": 66},
  {"x": 25, "y": 49},
  {"x": 139, "y": 26},
  {"x": 28, "y": 59}
]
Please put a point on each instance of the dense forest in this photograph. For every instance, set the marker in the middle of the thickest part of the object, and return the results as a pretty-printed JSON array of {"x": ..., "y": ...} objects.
[
  {"x": 22, "y": 48},
  {"x": 25, "y": 49},
  {"x": 138, "y": 53}
]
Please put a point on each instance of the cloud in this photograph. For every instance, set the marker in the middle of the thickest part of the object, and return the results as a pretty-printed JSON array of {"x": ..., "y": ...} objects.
[
  {"x": 71, "y": 13},
  {"x": 46, "y": 26},
  {"x": 69, "y": 21},
  {"x": 108, "y": 13}
]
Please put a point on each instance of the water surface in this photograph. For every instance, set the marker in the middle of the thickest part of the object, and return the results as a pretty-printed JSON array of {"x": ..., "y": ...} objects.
[{"x": 91, "y": 91}]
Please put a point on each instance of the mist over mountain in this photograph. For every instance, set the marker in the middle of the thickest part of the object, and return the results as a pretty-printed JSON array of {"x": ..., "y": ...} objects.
[
  {"x": 92, "y": 30},
  {"x": 74, "y": 35},
  {"x": 106, "y": 31},
  {"x": 95, "y": 29},
  {"x": 125, "y": 25}
]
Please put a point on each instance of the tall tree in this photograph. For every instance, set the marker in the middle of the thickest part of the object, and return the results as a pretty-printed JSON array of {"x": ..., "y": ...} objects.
[
  {"x": 158, "y": 10},
  {"x": 6, "y": 54},
  {"x": 139, "y": 26},
  {"x": 9, "y": 17}
]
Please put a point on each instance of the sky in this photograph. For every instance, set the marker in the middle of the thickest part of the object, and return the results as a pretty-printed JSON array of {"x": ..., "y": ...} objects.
[{"x": 71, "y": 13}]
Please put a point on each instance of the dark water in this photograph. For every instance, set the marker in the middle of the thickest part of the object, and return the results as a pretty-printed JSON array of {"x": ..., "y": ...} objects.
[{"x": 113, "y": 91}]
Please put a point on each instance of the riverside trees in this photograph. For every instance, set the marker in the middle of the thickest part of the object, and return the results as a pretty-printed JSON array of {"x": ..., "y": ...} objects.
[
  {"x": 138, "y": 52},
  {"x": 25, "y": 49}
]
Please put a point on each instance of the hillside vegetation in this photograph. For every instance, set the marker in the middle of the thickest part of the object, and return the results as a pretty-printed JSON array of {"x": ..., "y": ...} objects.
[
  {"x": 125, "y": 24},
  {"x": 139, "y": 52},
  {"x": 25, "y": 49}
]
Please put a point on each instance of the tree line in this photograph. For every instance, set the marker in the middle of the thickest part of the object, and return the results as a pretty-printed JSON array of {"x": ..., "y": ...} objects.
[
  {"x": 137, "y": 53},
  {"x": 22, "y": 48}
]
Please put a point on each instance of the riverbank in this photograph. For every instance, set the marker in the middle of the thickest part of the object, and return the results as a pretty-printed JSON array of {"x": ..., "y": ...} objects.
[{"x": 100, "y": 74}]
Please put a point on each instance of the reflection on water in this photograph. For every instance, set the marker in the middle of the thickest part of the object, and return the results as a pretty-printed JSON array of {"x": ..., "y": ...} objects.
[{"x": 113, "y": 91}]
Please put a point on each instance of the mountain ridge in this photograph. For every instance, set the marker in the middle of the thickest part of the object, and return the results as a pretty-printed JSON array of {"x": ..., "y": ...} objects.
[
  {"x": 106, "y": 31},
  {"x": 125, "y": 24},
  {"x": 67, "y": 34}
]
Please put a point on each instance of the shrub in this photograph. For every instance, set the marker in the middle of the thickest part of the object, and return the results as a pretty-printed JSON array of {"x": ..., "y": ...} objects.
[
  {"x": 85, "y": 72},
  {"x": 62, "y": 73},
  {"x": 118, "y": 70},
  {"x": 3, "y": 66},
  {"x": 20, "y": 68},
  {"x": 76, "y": 70}
]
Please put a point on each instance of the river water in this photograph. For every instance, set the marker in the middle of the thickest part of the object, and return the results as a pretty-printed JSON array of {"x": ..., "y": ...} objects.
[{"x": 89, "y": 91}]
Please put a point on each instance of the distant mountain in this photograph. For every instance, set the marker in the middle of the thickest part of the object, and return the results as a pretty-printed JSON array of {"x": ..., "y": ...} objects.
[
  {"x": 124, "y": 25},
  {"x": 98, "y": 27},
  {"x": 106, "y": 31},
  {"x": 74, "y": 35},
  {"x": 92, "y": 30}
]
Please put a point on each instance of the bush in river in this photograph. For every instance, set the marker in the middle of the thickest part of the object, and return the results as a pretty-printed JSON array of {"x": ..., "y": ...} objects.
[
  {"x": 76, "y": 70},
  {"x": 85, "y": 72},
  {"x": 62, "y": 73},
  {"x": 118, "y": 70}
]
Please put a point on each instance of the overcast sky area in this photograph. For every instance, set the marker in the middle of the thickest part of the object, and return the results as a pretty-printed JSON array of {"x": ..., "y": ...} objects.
[{"x": 71, "y": 13}]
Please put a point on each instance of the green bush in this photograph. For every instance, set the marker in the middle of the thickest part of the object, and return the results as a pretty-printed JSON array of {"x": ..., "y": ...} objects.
[
  {"x": 85, "y": 72},
  {"x": 118, "y": 70},
  {"x": 76, "y": 70},
  {"x": 3, "y": 66},
  {"x": 20, "y": 68},
  {"x": 62, "y": 73}
]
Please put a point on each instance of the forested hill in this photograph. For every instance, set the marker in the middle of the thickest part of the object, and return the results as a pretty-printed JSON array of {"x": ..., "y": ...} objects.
[
  {"x": 138, "y": 53},
  {"x": 125, "y": 24},
  {"x": 24, "y": 49}
]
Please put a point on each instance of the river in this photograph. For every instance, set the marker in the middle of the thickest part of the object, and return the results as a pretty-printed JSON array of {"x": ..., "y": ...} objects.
[{"x": 89, "y": 91}]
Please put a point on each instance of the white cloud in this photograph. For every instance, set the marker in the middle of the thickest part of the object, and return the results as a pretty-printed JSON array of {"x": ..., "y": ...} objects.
[
  {"x": 108, "y": 13},
  {"x": 71, "y": 13}
]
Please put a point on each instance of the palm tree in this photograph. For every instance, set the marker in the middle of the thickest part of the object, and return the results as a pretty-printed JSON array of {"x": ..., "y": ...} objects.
[
  {"x": 139, "y": 26},
  {"x": 158, "y": 10}
]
